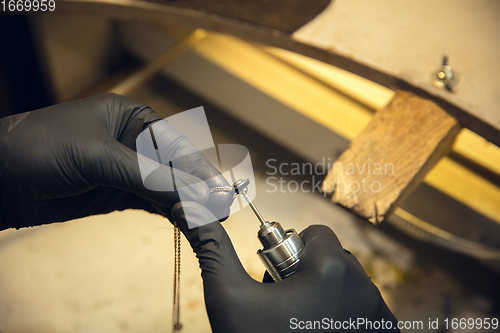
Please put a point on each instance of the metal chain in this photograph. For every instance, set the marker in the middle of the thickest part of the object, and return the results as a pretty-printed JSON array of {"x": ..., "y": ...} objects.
[{"x": 176, "y": 310}]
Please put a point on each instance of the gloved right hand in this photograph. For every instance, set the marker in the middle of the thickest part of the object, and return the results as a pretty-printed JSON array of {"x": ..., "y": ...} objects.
[
  {"x": 78, "y": 158},
  {"x": 328, "y": 286}
]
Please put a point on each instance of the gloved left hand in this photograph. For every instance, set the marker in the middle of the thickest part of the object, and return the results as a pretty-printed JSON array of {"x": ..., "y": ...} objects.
[
  {"x": 329, "y": 287},
  {"x": 78, "y": 159}
]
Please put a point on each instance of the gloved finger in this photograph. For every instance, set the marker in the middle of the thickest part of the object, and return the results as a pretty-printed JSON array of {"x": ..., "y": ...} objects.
[
  {"x": 322, "y": 250},
  {"x": 175, "y": 148},
  {"x": 321, "y": 245},
  {"x": 125, "y": 117},
  {"x": 112, "y": 164},
  {"x": 218, "y": 260},
  {"x": 198, "y": 165},
  {"x": 321, "y": 237}
]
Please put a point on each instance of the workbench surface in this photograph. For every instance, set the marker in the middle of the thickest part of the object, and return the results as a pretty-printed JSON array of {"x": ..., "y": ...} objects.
[{"x": 399, "y": 44}]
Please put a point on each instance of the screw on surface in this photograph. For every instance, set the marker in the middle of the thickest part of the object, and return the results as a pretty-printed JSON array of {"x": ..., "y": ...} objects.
[{"x": 445, "y": 77}]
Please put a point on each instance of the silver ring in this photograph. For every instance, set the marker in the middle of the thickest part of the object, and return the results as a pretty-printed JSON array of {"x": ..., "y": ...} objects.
[{"x": 221, "y": 189}]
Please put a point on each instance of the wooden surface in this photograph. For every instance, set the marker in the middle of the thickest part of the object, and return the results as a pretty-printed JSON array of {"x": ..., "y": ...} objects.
[
  {"x": 406, "y": 40},
  {"x": 398, "y": 44},
  {"x": 391, "y": 156}
]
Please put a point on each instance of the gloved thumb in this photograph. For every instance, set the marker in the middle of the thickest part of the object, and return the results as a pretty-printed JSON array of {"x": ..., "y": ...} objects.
[
  {"x": 321, "y": 239},
  {"x": 219, "y": 262}
]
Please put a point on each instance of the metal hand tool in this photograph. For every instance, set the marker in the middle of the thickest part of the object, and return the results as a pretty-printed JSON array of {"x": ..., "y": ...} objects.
[{"x": 281, "y": 248}]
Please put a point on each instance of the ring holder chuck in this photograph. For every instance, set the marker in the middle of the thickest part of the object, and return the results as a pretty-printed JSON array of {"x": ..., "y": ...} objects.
[{"x": 281, "y": 248}]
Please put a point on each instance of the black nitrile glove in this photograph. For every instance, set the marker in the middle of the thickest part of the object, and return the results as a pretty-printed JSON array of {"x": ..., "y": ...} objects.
[
  {"x": 78, "y": 159},
  {"x": 328, "y": 285}
]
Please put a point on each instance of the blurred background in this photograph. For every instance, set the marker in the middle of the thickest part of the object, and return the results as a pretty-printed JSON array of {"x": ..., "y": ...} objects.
[{"x": 437, "y": 258}]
